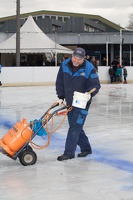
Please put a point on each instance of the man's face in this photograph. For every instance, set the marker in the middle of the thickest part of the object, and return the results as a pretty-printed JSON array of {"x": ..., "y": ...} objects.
[{"x": 77, "y": 61}]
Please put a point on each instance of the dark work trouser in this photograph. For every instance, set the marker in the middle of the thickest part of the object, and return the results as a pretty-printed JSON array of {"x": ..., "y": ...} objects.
[{"x": 76, "y": 135}]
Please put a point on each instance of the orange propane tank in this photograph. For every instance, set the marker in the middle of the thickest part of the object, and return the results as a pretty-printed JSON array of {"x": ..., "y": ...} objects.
[{"x": 16, "y": 137}]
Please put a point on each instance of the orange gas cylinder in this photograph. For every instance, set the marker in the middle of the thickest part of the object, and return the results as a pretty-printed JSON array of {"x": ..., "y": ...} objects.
[{"x": 17, "y": 136}]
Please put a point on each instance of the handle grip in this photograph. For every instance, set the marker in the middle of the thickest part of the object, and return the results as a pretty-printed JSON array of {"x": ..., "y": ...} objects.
[{"x": 91, "y": 91}]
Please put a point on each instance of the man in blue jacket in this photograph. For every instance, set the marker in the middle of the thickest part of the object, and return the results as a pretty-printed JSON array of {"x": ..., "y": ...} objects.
[{"x": 76, "y": 74}]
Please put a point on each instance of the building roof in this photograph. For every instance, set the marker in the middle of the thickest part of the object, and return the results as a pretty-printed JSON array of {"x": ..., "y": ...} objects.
[{"x": 97, "y": 18}]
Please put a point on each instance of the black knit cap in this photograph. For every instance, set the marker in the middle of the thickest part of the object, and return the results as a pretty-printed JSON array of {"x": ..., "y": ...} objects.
[{"x": 79, "y": 52}]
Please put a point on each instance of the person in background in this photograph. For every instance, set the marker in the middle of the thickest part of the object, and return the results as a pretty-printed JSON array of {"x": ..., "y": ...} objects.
[
  {"x": 0, "y": 73},
  {"x": 48, "y": 62},
  {"x": 111, "y": 74},
  {"x": 88, "y": 58},
  {"x": 53, "y": 61},
  {"x": 118, "y": 74},
  {"x": 104, "y": 62},
  {"x": 63, "y": 58},
  {"x": 98, "y": 63},
  {"x": 94, "y": 62},
  {"x": 76, "y": 74},
  {"x": 115, "y": 64},
  {"x": 125, "y": 74}
]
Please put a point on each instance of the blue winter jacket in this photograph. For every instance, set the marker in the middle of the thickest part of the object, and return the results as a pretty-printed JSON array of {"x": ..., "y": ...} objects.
[{"x": 83, "y": 80}]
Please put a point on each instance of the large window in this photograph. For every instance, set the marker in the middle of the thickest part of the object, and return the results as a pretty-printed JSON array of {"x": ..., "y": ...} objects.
[{"x": 88, "y": 28}]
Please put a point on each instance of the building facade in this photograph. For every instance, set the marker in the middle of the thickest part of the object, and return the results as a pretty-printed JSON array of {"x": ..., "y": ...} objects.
[{"x": 98, "y": 36}]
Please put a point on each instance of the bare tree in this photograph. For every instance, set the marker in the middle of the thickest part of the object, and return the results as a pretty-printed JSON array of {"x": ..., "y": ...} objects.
[{"x": 130, "y": 25}]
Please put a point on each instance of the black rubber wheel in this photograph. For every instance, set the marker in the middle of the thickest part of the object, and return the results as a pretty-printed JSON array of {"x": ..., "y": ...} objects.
[
  {"x": 28, "y": 147},
  {"x": 28, "y": 157}
]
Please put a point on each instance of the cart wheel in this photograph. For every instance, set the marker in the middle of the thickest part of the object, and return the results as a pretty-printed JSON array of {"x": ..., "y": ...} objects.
[
  {"x": 28, "y": 147},
  {"x": 28, "y": 157}
]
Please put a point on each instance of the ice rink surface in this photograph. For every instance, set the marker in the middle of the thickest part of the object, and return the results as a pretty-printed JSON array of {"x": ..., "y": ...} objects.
[{"x": 107, "y": 174}]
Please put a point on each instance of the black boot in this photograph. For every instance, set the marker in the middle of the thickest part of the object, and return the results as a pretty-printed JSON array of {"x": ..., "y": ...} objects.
[
  {"x": 64, "y": 157},
  {"x": 84, "y": 154}
]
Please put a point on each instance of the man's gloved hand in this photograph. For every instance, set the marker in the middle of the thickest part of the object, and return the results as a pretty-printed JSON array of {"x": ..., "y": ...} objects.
[{"x": 60, "y": 101}]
